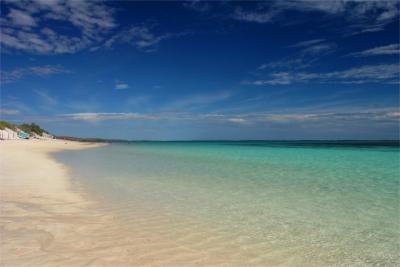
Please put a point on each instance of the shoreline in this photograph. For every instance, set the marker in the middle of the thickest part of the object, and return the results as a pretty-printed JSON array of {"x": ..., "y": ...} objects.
[
  {"x": 46, "y": 219},
  {"x": 51, "y": 214},
  {"x": 40, "y": 207}
]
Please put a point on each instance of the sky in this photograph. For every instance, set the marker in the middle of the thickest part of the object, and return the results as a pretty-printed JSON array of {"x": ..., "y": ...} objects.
[{"x": 202, "y": 70}]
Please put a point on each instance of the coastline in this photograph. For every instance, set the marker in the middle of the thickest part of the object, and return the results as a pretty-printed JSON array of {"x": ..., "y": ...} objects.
[
  {"x": 46, "y": 219},
  {"x": 54, "y": 215},
  {"x": 40, "y": 208}
]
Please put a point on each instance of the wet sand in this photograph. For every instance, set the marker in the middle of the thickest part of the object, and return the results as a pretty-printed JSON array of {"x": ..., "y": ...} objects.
[
  {"x": 43, "y": 217},
  {"x": 48, "y": 219}
]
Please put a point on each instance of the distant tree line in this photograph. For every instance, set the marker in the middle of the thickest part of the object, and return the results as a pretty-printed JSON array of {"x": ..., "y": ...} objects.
[
  {"x": 32, "y": 128},
  {"x": 5, "y": 124}
]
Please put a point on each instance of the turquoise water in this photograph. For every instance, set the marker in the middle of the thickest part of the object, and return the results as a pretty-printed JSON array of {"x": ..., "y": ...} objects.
[{"x": 278, "y": 203}]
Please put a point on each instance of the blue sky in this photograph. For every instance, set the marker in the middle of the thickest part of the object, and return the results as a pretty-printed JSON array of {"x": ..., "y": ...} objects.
[{"x": 203, "y": 70}]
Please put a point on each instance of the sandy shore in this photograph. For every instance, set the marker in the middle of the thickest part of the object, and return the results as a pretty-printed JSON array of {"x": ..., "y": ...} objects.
[
  {"x": 42, "y": 214},
  {"x": 48, "y": 219}
]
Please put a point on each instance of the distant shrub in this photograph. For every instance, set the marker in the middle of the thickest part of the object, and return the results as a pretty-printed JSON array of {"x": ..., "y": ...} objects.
[
  {"x": 5, "y": 124},
  {"x": 32, "y": 128}
]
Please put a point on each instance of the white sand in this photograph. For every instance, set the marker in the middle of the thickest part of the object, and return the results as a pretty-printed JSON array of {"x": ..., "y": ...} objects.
[
  {"x": 28, "y": 172},
  {"x": 46, "y": 219},
  {"x": 39, "y": 208}
]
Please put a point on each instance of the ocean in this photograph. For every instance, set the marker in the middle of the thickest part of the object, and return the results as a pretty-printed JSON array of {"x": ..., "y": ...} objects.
[{"x": 250, "y": 203}]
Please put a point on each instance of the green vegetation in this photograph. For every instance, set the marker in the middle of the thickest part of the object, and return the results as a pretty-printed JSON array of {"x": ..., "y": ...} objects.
[
  {"x": 5, "y": 124},
  {"x": 32, "y": 128},
  {"x": 28, "y": 128}
]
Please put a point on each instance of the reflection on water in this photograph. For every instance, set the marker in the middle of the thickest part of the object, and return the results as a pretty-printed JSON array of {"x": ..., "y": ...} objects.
[{"x": 251, "y": 203}]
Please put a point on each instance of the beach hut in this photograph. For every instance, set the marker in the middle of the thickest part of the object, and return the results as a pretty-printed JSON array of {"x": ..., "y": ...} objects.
[
  {"x": 11, "y": 134},
  {"x": 3, "y": 135},
  {"x": 23, "y": 135},
  {"x": 7, "y": 134}
]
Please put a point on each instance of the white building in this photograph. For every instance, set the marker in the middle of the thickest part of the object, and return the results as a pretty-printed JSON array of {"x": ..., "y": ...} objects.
[{"x": 8, "y": 134}]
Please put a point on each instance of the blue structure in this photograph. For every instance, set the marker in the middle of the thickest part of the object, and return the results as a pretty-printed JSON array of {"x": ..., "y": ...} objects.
[{"x": 23, "y": 135}]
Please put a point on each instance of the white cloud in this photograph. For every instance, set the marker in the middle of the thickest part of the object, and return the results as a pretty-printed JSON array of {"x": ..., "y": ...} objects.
[
  {"x": 314, "y": 47},
  {"x": 377, "y": 73},
  {"x": 121, "y": 86},
  {"x": 392, "y": 49},
  {"x": 199, "y": 100},
  {"x": 382, "y": 115},
  {"x": 19, "y": 73},
  {"x": 331, "y": 7},
  {"x": 45, "y": 98},
  {"x": 391, "y": 115},
  {"x": 277, "y": 78},
  {"x": 310, "y": 51},
  {"x": 101, "y": 116},
  {"x": 379, "y": 115},
  {"x": 29, "y": 25},
  {"x": 21, "y": 18},
  {"x": 197, "y": 5},
  {"x": 136, "y": 101},
  {"x": 394, "y": 114},
  {"x": 318, "y": 49},
  {"x": 254, "y": 16},
  {"x": 388, "y": 14},
  {"x": 307, "y": 43},
  {"x": 140, "y": 36},
  {"x": 14, "y": 103},
  {"x": 384, "y": 73},
  {"x": 288, "y": 64},
  {"x": 363, "y": 16},
  {"x": 237, "y": 120},
  {"x": 9, "y": 111}
]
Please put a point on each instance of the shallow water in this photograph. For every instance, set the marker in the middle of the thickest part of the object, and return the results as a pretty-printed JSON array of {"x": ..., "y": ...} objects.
[{"x": 251, "y": 203}]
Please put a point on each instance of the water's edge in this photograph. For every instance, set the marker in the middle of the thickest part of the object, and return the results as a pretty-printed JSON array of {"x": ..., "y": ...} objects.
[{"x": 292, "y": 204}]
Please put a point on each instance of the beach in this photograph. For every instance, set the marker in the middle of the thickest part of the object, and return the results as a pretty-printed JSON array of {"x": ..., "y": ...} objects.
[
  {"x": 43, "y": 215},
  {"x": 293, "y": 204},
  {"x": 200, "y": 133},
  {"x": 48, "y": 219}
]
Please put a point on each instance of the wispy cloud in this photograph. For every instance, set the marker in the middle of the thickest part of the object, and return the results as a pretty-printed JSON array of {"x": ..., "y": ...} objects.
[
  {"x": 308, "y": 52},
  {"x": 5, "y": 111},
  {"x": 334, "y": 117},
  {"x": 142, "y": 37},
  {"x": 307, "y": 43},
  {"x": 197, "y": 5},
  {"x": 319, "y": 49},
  {"x": 384, "y": 73},
  {"x": 254, "y": 16},
  {"x": 198, "y": 100},
  {"x": 137, "y": 101},
  {"x": 238, "y": 120},
  {"x": 276, "y": 78},
  {"x": 29, "y": 26},
  {"x": 121, "y": 86},
  {"x": 383, "y": 115},
  {"x": 19, "y": 73},
  {"x": 46, "y": 99},
  {"x": 392, "y": 49},
  {"x": 84, "y": 105},
  {"x": 21, "y": 18},
  {"x": 102, "y": 116},
  {"x": 363, "y": 16},
  {"x": 314, "y": 47},
  {"x": 297, "y": 63},
  {"x": 14, "y": 103}
]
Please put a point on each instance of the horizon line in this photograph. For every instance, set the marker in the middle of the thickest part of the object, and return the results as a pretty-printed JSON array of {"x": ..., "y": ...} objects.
[{"x": 223, "y": 140}]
